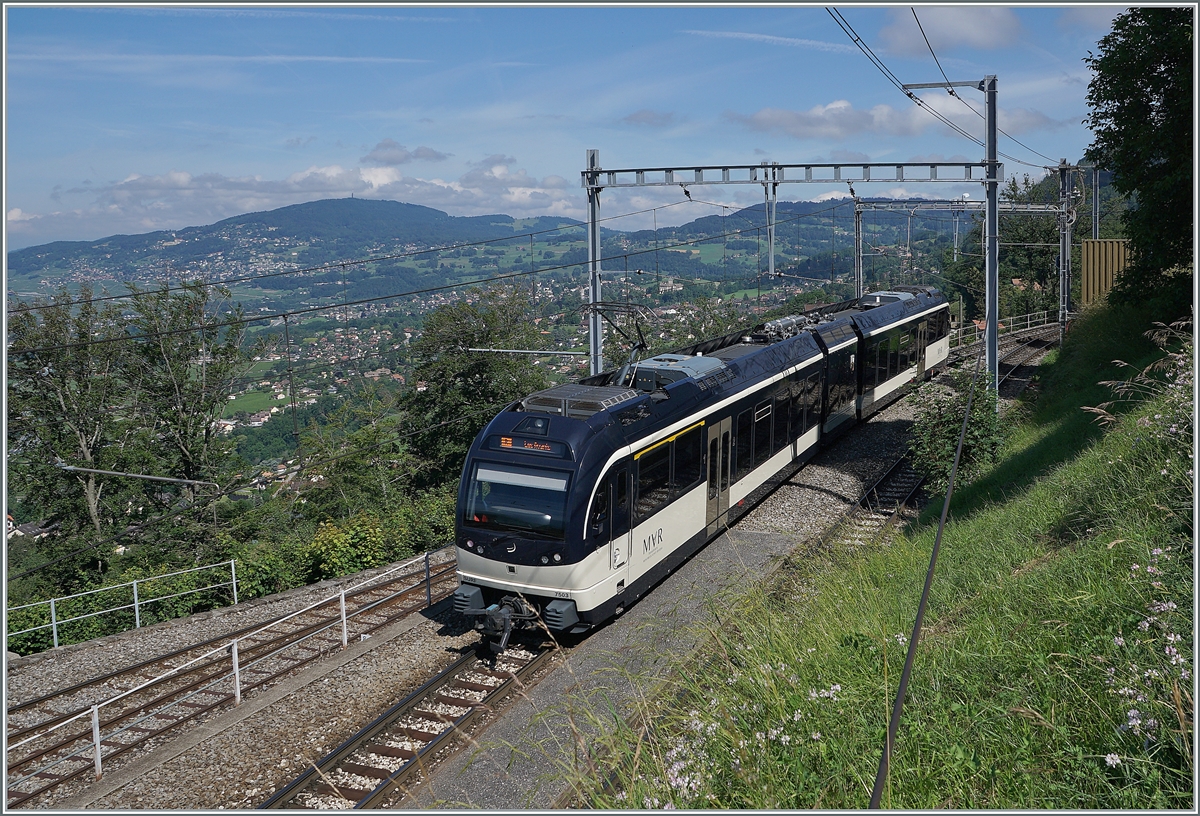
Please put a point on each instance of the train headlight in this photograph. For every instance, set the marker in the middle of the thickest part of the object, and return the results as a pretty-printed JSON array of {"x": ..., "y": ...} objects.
[
  {"x": 479, "y": 549},
  {"x": 545, "y": 560},
  {"x": 470, "y": 543},
  {"x": 557, "y": 558}
]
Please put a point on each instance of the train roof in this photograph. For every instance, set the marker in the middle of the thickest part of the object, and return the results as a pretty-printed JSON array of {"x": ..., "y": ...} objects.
[{"x": 657, "y": 388}]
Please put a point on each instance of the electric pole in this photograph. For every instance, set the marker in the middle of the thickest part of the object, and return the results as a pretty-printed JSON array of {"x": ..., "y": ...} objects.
[{"x": 595, "y": 325}]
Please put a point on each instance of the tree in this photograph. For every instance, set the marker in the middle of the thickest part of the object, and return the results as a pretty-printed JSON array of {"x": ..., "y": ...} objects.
[
  {"x": 1141, "y": 100},
  {"x": 464, "y": 389},
  {"x": 1029, "y": 263},
  {"x": 64, "y": 381},
  {"x": 187, "y": 354},
  {"x": 357, "y": 459}
]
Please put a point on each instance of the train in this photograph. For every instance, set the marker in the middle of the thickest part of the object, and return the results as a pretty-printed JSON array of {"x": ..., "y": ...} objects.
[{"x": 578, "y": 499}]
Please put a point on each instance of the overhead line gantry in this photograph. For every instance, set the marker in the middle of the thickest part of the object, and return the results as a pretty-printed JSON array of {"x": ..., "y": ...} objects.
[{"x": 771, "y": 174}]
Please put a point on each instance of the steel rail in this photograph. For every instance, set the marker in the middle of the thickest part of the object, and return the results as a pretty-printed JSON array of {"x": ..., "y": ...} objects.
[
  {"x": 1032, "y": 345},
  {"x": 315, "y": 780},
  {"x": 185, "y": 649},
  {"x": 174, "y": 699},
  {"x": 252, "y": 648}
]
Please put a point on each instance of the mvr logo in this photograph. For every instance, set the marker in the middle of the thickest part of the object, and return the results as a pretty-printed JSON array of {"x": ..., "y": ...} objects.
[{"x": 650, "y": 542}]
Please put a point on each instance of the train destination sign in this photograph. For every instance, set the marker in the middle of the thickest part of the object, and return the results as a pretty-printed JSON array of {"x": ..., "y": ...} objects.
[{"x": 517, "y": 443}]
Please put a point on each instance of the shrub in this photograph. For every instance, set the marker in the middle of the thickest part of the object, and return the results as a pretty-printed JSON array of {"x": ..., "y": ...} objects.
[
  {"x": 341, "y": 548},
  {"x": 938, "y": 425}
]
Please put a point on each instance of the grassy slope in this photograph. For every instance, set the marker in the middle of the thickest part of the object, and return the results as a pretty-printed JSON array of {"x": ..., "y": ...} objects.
[{"x": 1030, "y": 687}]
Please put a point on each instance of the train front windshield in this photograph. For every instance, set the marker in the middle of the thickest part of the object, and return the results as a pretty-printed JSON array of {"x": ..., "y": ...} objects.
[{"x": 506, "y": 497}]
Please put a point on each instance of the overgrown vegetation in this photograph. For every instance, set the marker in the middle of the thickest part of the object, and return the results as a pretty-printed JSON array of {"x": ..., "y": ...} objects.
[
  {"x": 938, "y": 423},
  {"x": 1055, "y": 666},
  {"x": 375, "y": 483}
]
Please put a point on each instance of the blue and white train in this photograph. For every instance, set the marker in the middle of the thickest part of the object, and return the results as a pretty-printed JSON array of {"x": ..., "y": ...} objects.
[{"x": 576, "y": 500}]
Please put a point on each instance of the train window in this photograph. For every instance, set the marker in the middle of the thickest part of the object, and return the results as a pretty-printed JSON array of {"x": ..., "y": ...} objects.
[
  {"x": 940, "y": 325},
  {"x": 799, "y": 396},
  {"x": 620, "y": 521},
  {"x": 506, "y": 497},
  {"x": 725, "y": 461},
  {"x": 880, "y": 361},
  {"x": 815, "y": 396},
  {"x": 905, "y": 338},
  {"x": 653, "y": 481},
  {"x": 762, "y": 432},
  {"x": 598, "y": 520},
  {"x": 712, "y": 468},
  {"x": 689, "y": 460},
  {"x": 781, "y": 421},
  {"x": 745, "y": 444}
]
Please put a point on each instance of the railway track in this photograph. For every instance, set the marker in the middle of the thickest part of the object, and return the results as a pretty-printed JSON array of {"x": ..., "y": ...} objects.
[
  {"x": 1023, "y": 352},
  {"x": 373, "y": 765},
  {"x": 880, "y": 505},
  {"x": 383, "y": 757},
  {"x": 1007, "y": 341},
  {"x": 51, "y": 740}
]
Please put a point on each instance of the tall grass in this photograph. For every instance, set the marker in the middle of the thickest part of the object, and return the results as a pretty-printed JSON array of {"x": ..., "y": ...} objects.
[{"x": 1055, "y": 667}]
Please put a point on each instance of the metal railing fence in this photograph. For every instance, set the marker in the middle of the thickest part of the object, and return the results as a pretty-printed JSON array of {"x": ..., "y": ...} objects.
[
  {"x": 969, "y": 333},
  {"x": 100, "y": 740},
  {"x": 54, "y": 604}
]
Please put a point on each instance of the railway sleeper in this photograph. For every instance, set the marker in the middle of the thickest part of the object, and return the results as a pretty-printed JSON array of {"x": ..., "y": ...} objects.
[
  {"x": 390, "y": 750},
  {"x": 418, "y": 735},
  {"x": 467, "y": 684},
  {"x": 365, "y": 770},
  {"x": 458, "y": 702},
  {"x": 445, "y": 719},
  {"x": 340, "y": 791}
]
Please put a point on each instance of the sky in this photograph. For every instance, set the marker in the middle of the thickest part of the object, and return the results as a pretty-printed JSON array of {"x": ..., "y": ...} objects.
[{"x": 129, "y": 119}]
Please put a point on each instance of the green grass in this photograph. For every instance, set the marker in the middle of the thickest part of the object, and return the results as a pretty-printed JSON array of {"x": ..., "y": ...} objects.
[
  {"x": 1030, "y": 686},
  {"x": 252, "y": 403}
]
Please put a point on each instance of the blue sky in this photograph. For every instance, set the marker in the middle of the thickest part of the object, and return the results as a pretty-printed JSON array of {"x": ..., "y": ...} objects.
[{"x": 131, "y": 119}]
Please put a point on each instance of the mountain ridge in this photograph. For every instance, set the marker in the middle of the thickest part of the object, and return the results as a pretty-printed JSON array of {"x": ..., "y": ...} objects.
[{"x": 341, "y": 222}]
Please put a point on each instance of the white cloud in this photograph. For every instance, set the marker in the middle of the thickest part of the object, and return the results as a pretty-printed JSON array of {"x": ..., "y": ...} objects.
[
  {"x": 837, "y": 120},
  {"x": 840, "y": 120},
  {"x": 389, "y": 152},
  {"x": 283, "y": 14},
  {"x": 950, "y": 29},
  {"x": 770, "y": 39},
  {"x": 650, "y": 118},
  {"x": 116, "y": 61},
  {"x": 1089, "y": 18},
  {"x": 144, "y": 203}
]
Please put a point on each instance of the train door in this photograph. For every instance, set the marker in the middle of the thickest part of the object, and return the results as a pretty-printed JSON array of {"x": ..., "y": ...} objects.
[
  {"x": 620, "y": 541},
  {"x": 922, "y": 341},
  {"x": 719, "y": 439}
]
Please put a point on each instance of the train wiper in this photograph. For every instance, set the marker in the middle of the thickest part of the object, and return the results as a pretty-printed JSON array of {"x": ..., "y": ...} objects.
[{"x": 522, "y": 532}]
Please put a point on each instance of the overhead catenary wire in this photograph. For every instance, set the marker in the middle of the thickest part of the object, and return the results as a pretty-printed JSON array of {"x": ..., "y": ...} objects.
[
  {"x": 335, "y": 265},
  {"x": 952, "y": 92},
  {"x": 343, "y": 264},
  {"x": 891, "y": 77}
]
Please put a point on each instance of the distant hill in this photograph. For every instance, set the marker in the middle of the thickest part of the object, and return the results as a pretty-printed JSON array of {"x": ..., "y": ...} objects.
[
  {"x": 813, "y": 239},
  {"x": 305, "y": 234}
]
